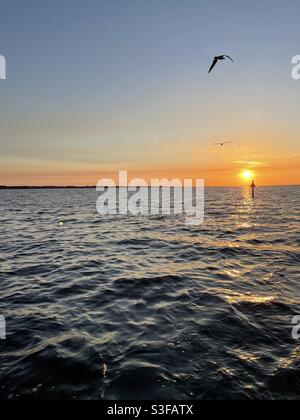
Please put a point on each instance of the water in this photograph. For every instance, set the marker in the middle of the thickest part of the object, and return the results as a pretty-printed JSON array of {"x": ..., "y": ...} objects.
[{"x": 148, "y": 308}]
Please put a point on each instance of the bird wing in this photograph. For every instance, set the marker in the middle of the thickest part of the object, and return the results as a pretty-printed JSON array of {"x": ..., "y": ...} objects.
[
  {"x": 213, "y": 65},
  {"x": 229, "y": 58}
]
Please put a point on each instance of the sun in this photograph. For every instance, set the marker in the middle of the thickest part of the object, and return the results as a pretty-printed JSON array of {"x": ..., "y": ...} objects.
[{"x": 247, "y": 175}]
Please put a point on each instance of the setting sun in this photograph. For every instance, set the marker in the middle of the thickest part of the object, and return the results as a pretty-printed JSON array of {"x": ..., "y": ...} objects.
[{"x": 247, "y": 175}]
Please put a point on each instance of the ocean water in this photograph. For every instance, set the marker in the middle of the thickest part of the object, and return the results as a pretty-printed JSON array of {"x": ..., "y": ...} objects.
[{"x": 146, "y": 307}]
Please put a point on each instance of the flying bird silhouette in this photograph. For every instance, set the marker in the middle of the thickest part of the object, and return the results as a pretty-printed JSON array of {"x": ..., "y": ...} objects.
[
  {"x": 217, "y": 59},
  {"x": 222, "y": 144}
]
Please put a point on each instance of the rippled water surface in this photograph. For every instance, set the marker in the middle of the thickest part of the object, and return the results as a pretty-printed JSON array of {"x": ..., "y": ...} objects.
[{"x": 146, "y": 307}]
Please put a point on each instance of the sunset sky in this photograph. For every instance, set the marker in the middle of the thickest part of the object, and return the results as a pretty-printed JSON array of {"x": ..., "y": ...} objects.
[{"x": 94, "y": 87}]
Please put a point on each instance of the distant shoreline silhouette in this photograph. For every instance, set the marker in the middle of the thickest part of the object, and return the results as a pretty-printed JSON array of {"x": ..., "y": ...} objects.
[{"x": 46, "y": 187}]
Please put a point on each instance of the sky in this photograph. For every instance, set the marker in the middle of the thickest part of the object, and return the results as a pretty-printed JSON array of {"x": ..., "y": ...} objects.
[{"x": 94, "y": 87}]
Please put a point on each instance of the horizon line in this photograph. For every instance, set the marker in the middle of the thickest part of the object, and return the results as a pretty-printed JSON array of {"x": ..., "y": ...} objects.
[{"x": 36, "y": 187}]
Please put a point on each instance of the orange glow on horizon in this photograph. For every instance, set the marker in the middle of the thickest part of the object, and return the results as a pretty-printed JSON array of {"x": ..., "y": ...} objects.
[{"x": 229, "y": 172}]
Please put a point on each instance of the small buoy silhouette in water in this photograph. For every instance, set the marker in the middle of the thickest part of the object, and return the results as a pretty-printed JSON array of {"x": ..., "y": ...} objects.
[{"x": 253, "y": 186}]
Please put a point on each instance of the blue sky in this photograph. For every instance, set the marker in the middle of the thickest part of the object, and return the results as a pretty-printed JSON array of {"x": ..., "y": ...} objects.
[{"x": 96, "y": 85}]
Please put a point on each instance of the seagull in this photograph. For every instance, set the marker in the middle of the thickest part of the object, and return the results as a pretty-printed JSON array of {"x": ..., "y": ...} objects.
[
  {"x": 219, "y": 58},
  {"x": 222, "y": 144}
]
